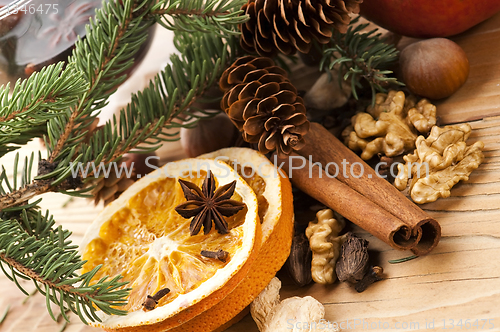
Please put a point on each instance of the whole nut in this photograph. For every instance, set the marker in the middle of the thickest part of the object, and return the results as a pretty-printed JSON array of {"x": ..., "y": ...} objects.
[{"x": 434, "y": 68}]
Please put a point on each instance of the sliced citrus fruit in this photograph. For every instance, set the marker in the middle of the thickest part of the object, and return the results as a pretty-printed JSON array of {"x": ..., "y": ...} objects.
[
  {"x": 274, "y": 194},
  {"x": 143, "y": 238}
]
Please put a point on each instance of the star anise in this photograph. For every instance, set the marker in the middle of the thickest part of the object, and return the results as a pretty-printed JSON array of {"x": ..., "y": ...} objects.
[{"x": 208, "y": 204}]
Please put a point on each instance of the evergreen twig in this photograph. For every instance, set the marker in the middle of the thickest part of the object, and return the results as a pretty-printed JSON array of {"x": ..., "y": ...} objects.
[
  {"x": 61, "y": 103},
  {"x": 215, "y": 16},
  {"x": 33, "y": 249},
  {"x": 361, "y": 56},
  {"x": 43, "y": 96}
]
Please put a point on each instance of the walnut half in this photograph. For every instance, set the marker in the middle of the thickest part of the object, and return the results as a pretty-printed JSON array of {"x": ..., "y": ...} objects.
[
  {"x": 438, "y": 163},
  {"x": 391, "y": 126},
  {"x": 325, "y": 243}
]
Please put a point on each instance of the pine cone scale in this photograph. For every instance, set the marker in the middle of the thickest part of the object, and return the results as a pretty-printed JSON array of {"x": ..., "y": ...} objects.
[
  {"x": 301, "y": 129},
  {"x": 251, "y": 109},
  {"x": 294, "y": 120},
  {"x": 267, "y": 7},
  {"x": 287, "y": 86},
  {"x": 272, "y": 142},
  {"x": 285, "y": 112},
  {"x": 236, "y": 110},
  {"x": 249, "y": 90},
  {"x": 323, "y": 16},
  {"x": 282, "y": 46},
  {"x": 254, "y": 125},
  {"x": 298, "y": 43},
  {"x": 289, "y": 25},
  {"x": 271, "y": 78},
  {"x": 266, "y": 106},
  {"x": 238, "y": 74},
  {"x": 264, "y": 44},
  {"x": 267, "y": 89},
  {"x": 234, "y": 96},
  {"x": 286, "y": 96},
  {"x": 264, "y": 26}
]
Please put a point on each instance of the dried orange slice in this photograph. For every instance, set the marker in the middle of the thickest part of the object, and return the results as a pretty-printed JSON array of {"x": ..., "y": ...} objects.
[
  {"x": 274, "y": 194},
  {"x": 143, "y": 238}
]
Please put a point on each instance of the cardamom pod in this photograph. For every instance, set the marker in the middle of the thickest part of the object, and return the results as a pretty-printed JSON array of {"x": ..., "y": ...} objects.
[
  {"x": 298, "y": 264},
  {"x": 353, "y": 261}
]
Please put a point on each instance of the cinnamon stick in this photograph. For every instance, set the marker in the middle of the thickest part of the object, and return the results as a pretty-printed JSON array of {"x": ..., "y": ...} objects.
[
  {"x": 421, "y": 234},
  {"x": 348, "y": 202}
]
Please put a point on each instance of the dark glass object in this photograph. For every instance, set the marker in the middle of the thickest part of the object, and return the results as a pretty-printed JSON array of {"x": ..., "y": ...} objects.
[{"x": 42, "y": 32}]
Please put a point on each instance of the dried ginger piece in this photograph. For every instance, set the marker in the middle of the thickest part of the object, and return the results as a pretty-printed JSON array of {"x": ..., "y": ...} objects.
[
  {"x": 391, "y": 126},
  {"x": 304, "y": 314},
  {"x": 325, "y": 245},
  {"x": 445, "y": 157}
]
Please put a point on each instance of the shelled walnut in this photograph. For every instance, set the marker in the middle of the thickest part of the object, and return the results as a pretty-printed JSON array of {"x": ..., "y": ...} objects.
[
  {"x": 325, "y": 242},
  {"x": 294, "y": 314},
  {"x": 439, "y": 162},
  {"x": 391, "y": 126}
]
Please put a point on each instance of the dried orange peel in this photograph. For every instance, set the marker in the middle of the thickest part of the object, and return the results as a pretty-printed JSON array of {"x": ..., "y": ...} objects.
[
  {"x": 274, "y": 194},
  {"x": 141, "y": 237}
]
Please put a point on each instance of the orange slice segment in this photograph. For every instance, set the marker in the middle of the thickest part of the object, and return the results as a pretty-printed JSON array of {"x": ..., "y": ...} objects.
[
  {"x": 141, "y": 237},
  {"x": 274, "y": 194}
]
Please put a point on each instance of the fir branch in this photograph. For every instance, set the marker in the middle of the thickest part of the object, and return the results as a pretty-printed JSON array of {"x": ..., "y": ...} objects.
[
  {"x": 361, "y": 56},
  {"x": 31, "y": 248},
  {"x": 161, "y": 106},
  {"x": 119, "y": 30},
  {"x": 215, "y": 16},
  {"x": 14, "y": 196},
  {"x": 34, "y": 101},
  {"x": 156, "y": 110}
]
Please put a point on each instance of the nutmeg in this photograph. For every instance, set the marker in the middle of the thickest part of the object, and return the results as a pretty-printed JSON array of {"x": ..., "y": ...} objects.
[
  {"x": 210, "y": 134},
  {"x": 434, "y": 68}
]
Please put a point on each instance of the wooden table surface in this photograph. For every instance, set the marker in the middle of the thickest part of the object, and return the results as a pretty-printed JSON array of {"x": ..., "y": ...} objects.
[{"x": 456, "y": 287}]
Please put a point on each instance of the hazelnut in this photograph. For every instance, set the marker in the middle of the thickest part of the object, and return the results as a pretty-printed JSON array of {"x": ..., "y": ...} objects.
[{"x": 434, "y": 68}]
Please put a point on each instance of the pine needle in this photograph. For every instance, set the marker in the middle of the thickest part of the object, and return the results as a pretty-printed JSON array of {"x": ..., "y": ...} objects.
[
  {"x": 30, "y": 296},
  {"x": 402, "y": 260},
  {"x": 64, "y": 326},
  {"x": 4, "y": 315},
  {"x": 361, "y": 56},
  {"x": 60, "y": 103}
]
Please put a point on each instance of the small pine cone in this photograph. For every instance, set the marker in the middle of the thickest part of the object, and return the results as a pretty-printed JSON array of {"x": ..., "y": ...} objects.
[
  {"x": 261, "y": 102},
  {"x": 289, "y": 25},
  {"x": 110, "y": 188}
]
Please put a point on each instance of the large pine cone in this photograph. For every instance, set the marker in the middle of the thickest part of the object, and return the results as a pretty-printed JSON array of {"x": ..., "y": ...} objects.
[
  {"x": 288, "y": 25},
  {"x": 261, "y": 102}
]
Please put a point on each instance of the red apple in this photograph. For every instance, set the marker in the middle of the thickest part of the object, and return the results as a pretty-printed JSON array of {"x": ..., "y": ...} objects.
[{"x": 428, "y": 18}]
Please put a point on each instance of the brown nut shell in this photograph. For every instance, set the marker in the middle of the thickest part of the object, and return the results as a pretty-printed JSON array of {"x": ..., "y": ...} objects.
[{"x": 434, "y": 68}]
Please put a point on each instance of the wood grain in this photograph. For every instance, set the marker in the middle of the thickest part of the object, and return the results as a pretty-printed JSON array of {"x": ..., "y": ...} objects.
[
  {"x": 479, "y": 97},
  {"x": 459, "y": 279}
]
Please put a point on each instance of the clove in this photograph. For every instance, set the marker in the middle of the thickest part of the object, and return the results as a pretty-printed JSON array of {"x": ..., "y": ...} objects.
[
  {"x": 152, "y": 301},
  {"x": 374, "y": 274},
  {"x": 219, "y": 254}
]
